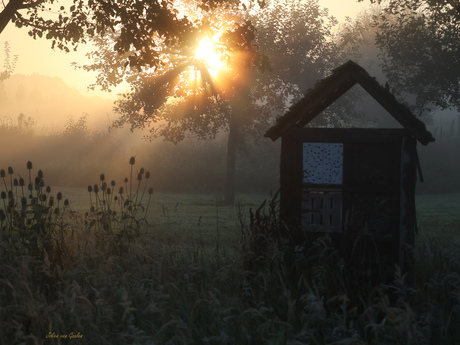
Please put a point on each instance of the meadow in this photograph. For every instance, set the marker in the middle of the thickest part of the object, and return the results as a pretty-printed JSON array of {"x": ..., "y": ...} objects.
[{"x": 163, "y": 268}]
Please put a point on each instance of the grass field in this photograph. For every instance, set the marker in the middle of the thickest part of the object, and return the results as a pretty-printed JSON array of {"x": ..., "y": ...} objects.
[
  {"x": 179, "y": 216},
  {"x": 190, "y": 279},
  {"x": 439, "y": 215}
]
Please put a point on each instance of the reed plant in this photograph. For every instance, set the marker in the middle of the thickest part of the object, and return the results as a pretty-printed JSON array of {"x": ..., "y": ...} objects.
[
  {"x": 116, "y": 218},
  {"x": 31, "y": 217}
]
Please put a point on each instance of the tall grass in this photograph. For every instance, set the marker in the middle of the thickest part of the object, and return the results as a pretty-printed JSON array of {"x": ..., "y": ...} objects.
[{"x": 138, "y": 289}]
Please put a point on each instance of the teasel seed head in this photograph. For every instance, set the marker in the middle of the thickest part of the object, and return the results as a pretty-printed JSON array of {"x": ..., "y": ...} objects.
[
  {"x": 48, "y": 189},
  {"x": 10, "y": 171},
  {"x": 126, "y": 180},
  {"x": 56, "y": 211},
  {"x": 150, "y": 191},
  {"x": 96, "y": 188},
  {"x": 66, "y": 202},
  {"x": 16, "y": 182},
  {"x": 43, "y": 197},
  {"x": 132, "y": 160},
  {"x": 51, "y": 201},
  {"x": 29, "y": 165},
  {"x": 23, "y": 201},
  {"x": 40, "y": 174},
  {"x": 3, "y": 195},
  {"x": 109, "y": 191},
  {"x": 121, "y": 190},
  {"x": 2, "y": 215},
  {"x": 11, "y": 203},
  {"x": 21, "y": 182},
  {"x": 102, "y": 177},
  {"x": 30, "y": 187},
  {"x": 147, "y": 175},
  {"x": 113, "y": 183},
  {"x": 90, "y": 188},
  {"x": 2, "y": 173},
  {"x": 139, "y": 177},
  {"x": 104, "y": 186},
  {"x": 141, "y": 171},
  {"x": 59, "y": 196}
]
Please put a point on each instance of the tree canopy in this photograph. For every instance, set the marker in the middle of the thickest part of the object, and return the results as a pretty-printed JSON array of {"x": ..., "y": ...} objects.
[
  {"x": 420, "y": 50},
  {"x": 135, "y": 22}
]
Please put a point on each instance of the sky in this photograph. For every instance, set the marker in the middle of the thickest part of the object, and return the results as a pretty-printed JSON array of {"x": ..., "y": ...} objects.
[{"x": 36, "y": 56}]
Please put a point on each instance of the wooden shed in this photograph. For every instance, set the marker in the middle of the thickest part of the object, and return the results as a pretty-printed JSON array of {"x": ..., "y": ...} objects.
[{"x": 352, "y": 183}]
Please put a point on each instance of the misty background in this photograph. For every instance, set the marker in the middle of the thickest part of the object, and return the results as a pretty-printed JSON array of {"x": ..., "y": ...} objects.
[{"x": 65, "y": 132}]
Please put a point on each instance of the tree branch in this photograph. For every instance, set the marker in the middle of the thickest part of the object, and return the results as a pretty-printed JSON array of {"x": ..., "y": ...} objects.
[{"x": 30, "y": 5}]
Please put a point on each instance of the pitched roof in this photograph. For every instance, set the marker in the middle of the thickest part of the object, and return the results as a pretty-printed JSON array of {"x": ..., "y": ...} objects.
[{"x": 328, "y": 90}]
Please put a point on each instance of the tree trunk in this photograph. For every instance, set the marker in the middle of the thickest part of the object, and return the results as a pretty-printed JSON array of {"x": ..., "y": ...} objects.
[
  {"x": 8, "y": 12},
  {"x": 232, "y": 145}
]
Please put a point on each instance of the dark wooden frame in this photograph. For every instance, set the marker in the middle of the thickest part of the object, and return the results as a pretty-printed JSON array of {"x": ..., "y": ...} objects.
[{"x": 401, "y": 193}]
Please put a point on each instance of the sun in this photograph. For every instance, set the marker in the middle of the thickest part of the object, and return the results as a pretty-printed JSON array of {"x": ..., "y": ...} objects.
[{"x": 207, "y": 52}]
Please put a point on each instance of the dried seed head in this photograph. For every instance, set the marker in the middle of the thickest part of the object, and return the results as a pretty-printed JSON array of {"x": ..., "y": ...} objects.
[
  {"x": 141, "y": 171},
  {"x": 66, "y": 202},
  {"x": 43, "y": 197},
  {"x": 112, "y": 183},
  {"x": 104, "y": 186},
  {"x": 30, "y": 187},
  {"x": 16, "y": 182},
  {"x": 109, "y": 191},
  {"x": 21, "y": 182},
  {"x": 2, "y": 215},
  {"x": 96, "y": 188},
  {"x": 40, "y": 174},
  {"x": 2, "y": 173},
  {"x": 48, "y": 189},
  {"x": 102, "y": 177},
  {"x": 121, "y": 190},
  {"x": 150, "y": 190},
  {"x": 139, "y": 177},
  {"x": 56, "y": 211},
  {"x": 147, "y": 174},
  {"x": 10, "y": 194},
  {"x": 51, "y": 201},
  {"x": 3, "y": 195},
  {"x": 10, "y": 170},
  {"x": 90, "y": 189},
  {"x": 29, "y": 165},
  {"x": 23, "y": 201},
  {"x": 115, "y": 197},
  {"x": 59, "y": 196},
  {"x": 11, "y": 203},
  {"x": 132, "y": 160},
  {"x": 126, "y": 180}
]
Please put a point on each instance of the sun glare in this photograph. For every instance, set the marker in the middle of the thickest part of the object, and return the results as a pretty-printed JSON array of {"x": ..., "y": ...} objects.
[{"x": 207, "y": 53}]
